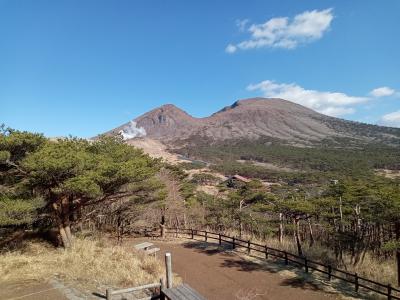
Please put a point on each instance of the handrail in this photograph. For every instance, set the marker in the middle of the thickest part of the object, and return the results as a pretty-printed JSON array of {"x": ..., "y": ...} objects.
[
  {"x": 301, "y": 260},
  {"x": 110, "y": 292}
]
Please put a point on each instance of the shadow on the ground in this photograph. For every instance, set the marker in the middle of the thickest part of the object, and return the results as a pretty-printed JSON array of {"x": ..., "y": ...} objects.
[
  {"x": 208, "y": 248},
  {"x": 245, "y": 266},
  {"x": 297, "y": 278},
  {"x": 300, "y": 283}
]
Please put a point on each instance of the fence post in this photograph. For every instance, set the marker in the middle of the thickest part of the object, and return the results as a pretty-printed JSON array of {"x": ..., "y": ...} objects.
[
  {"x": 168, "y": 268},
  {"x": 286, "y": 259},
  {"x": 192, "y": 234},
  {"x": 162, "y": 229},
  {"x": 389, "y": 288},
  {"x": 233, "y": 243},
  {"x": 161, "y": 283},
  {"x": 266, "y": 251},
  {"x": 305, "y": 264},
  {"x": 219, "y": 239},
  {"x": 162, "y": 296},
  {"x": 108, "y": 294},
  {"x": 248, "y": 247},
  {"x": 356, "y": 281},
  {"x": 329, "y": 272},
  {"x": 205, "y": 236}
]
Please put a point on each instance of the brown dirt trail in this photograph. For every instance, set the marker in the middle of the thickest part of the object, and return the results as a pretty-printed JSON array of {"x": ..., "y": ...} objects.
[
  {"x": 219, "y": 275},
  {"x": 30, "y": 290}
]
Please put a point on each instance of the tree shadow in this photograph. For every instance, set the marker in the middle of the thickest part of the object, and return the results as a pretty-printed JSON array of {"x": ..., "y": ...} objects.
[
  {"x": 254, "y": 263},
  {"x": 208, "y": 248},
  {"x": 19, "y": 239},
  {"x": 299, "y": 282},
  {"x": 244, "y": 266}
]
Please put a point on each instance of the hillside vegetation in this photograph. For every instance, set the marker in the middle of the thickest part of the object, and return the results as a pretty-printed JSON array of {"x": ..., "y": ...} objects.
[
  {"x": 67, "y": 175},
  {"x": 351, "y": 222},
  {"x": 49, "y": 186},
  {"x": 312, "y": 163}
]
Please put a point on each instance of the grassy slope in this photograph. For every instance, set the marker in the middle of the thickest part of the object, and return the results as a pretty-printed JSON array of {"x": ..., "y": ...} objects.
[{"x": 87, "y": 262}]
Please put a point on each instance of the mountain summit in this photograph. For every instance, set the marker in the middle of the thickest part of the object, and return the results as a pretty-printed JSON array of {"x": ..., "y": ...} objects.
[{"x": 252, "y": 119}]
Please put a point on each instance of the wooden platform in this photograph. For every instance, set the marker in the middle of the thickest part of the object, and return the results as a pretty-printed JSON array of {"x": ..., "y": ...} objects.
[{"x": 182, "y": 292}]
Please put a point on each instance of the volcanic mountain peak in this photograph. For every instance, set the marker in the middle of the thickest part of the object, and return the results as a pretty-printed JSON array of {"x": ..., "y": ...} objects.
[
  {"x": 256, "y": 101},
  {"x": 170, "y": 108},
  {"x": 167, "y": 110},
  {"x": 251, "y": 119},
  {"x": 271, "y": 104},
  {"x": 255, "y": 104}
]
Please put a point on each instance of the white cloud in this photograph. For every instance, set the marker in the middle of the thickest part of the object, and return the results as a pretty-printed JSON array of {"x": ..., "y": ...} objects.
[
  {"x": 382, "y": 92},
  {"x": 329, "y": 103},
  {"x": 391, "y": 119},
  {"x": 230, "y": 48},
  {"x": 241, "y": 24},
  {"x": 285, "y": 33}
]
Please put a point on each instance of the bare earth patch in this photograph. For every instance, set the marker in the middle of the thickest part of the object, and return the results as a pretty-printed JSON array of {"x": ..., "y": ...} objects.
[
  {"x": 223, "y": 274},
  {"x": 392, "y": 174},
  {"x": 155, "y": 149},
  {"x": 268, "y": 166}
]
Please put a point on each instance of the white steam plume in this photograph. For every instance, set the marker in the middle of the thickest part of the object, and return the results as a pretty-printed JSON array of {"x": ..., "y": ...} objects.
[{"x": 131, "y": 131}]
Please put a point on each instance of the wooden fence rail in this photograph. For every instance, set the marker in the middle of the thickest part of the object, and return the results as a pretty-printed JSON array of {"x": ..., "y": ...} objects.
[
  {"x": 110, "y": 292},
  {"x": 387, "y": 290}
]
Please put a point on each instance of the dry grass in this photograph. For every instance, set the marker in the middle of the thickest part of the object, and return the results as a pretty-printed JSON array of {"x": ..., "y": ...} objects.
[
  {"x": 88, "y": 261},
  {"x": 380, "y": 270}
]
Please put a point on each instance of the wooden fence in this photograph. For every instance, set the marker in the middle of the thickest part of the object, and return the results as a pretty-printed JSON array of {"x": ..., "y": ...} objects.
[
  {"x": 387, "y": 290},
  {"x": 110, "y": 293}
]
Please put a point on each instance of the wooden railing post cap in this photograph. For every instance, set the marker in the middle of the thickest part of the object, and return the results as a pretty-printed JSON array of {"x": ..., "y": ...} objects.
[{"x": 168, "y": 267}]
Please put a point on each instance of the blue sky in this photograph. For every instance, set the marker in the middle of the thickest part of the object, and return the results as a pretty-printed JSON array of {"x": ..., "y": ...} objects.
[{"x": 84, "y": 67}]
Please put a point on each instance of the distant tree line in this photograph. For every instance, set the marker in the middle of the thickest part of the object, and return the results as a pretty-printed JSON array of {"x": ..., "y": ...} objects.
[{"x": 320, "y": 162}]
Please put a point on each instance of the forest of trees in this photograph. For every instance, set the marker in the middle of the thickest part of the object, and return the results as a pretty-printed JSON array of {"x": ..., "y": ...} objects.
[
  {"x": 49, "y": 183},
  {"x": 345, "y": 220},
  {"x": 69, "y": 183},
  {"x": 323, "y": 161}
]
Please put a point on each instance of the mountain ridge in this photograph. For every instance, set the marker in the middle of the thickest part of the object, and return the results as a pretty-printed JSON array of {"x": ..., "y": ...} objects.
[{"x": 253, "y": 118}]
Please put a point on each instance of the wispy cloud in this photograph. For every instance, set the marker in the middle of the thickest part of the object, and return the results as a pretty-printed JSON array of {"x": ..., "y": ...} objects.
[
  {"x": 230, "y": 48},
  {"x": 329, "y": 103},
  {"x": 382, "y": 92},
  {"x": 391, "y": 119},
  {"x": 241, "y": 24},
  {"x": 284, "y": 32}
]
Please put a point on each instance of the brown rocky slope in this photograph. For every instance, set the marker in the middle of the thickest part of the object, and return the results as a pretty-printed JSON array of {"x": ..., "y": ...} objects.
[{"x": 251, "y": 119}]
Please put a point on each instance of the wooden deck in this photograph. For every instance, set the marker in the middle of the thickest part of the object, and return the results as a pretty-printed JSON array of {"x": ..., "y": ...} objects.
[{"x": 182, "y": 292}]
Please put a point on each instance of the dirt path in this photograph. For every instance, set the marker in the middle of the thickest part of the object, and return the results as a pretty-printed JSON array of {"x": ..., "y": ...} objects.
[
  {"x": 213, "y": 272},
  {"x": 30, "y": 290},
  {"x": 227, "y": 275}
]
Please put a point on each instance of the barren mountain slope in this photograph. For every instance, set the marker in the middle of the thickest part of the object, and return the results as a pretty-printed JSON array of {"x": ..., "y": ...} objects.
[
  {"x": 252, "y": 119},
  {"x": 155, "y": 149}
]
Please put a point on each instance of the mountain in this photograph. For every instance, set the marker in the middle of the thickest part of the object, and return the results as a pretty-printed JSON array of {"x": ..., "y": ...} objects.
[{"x": 252, "y": 119}]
